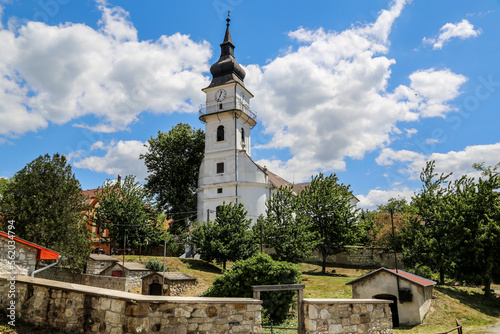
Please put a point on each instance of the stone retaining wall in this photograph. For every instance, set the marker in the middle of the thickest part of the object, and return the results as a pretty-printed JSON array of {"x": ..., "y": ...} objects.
[
  {"x": 65, "y": 275},
  {"x": 75, "y": 308},
  {"x": 355, "y": 316},
  {"x": 353, "y": 256}
]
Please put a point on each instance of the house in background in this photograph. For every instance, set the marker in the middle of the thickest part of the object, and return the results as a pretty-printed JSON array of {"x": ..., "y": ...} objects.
[
  {"x": 411, "y": 294},
  {"x": 91, "y": 201},
  {"x": 26, "y": 254}
]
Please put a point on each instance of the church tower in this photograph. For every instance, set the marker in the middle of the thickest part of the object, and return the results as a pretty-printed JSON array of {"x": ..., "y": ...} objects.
[{"x": 227, "y": 173}]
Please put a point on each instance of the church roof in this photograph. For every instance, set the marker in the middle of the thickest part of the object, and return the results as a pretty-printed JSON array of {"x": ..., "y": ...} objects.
[{"x": 226, "y": 69}]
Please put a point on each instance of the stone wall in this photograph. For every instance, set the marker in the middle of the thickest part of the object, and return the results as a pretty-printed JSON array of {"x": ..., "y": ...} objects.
[
  {"x": 96, "y": 267},
  {"x": 65, "y": 275},
  {"x": 356, "y": 316},
  {"x": 360, "y": 257},
  {"x": 75, "y": 308},
  {"x": 25, "y": 258}
]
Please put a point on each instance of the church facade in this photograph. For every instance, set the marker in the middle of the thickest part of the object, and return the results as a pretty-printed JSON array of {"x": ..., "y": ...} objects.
[{"x": 228, "y": 173}]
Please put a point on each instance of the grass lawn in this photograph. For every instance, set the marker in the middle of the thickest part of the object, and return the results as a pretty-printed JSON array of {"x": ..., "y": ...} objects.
[{"x": 466, "y": 304}]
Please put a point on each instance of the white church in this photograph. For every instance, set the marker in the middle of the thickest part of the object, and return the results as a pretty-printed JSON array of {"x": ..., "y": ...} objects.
[{"x": 228, "y": 173}]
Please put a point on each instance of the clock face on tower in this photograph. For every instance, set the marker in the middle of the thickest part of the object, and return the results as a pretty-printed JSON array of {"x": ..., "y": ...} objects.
[{"x": 220, "y": 95}]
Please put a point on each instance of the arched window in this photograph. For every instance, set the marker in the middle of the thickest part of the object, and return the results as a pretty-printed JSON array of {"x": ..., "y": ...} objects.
[{"x": 220, "y": 133}]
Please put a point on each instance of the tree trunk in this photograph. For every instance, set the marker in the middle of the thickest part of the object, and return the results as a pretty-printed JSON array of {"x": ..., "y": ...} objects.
[
  {"x": 487, "y": 287},
  {"x": 323, "y": 270},
  {"x": 224, "y": 265}
]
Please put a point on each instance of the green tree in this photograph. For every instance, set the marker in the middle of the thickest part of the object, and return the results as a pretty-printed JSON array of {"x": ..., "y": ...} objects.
[
  {"x": 286, "y": 228},
  {"x": 429, "y": 238},
  {"x": 477, "y": 218},
  {"x": 173, "y": 161},
  {"x": 332, "y": 212},
  {"x": 227, "y": 238},
  {"x": 3, "y": 185},
  {"x": 259, "y": 270},
  {"x": 127, "y": 209},
  {"x": 46, "y": 202}
]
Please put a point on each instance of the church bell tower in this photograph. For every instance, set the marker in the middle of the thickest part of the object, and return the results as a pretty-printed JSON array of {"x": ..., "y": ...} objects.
[{"x": 228, "y": 121}]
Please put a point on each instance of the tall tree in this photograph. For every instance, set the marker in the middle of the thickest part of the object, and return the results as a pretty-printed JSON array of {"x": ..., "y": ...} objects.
[
  {"x": 173, "y": 161},
  {"x": 286, "y": 228},
  {"x": 429, "y": 239},
  {"x": 126, "y": 209},
  {"x": 477, "y": 217},
  {"x": 332, "y": 212},
  {"x": 45, "y": 200},
  {"x": 227, "y": 238}
]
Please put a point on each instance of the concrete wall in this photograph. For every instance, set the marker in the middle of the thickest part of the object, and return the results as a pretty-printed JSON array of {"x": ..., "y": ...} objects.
[
  {"x": 25, "y": 258},
  {"x": 360, "y": 257},
  {"x": 329, "y": 316},
  {"x": 75, "y": 308},
  {"x": 64, "y": 275},
  {"x": 410, "y": 313}
]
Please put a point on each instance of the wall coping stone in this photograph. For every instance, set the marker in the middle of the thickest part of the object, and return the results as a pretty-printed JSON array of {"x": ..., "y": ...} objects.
[
  {"x": 115, "y": 294},
  {"x": 346, "y": 301}
]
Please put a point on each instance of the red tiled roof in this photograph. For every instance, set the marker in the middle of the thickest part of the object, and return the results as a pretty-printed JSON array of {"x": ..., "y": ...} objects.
[
  {"x": 42, "y": 252},
  {"x": 410, "y": 277}
]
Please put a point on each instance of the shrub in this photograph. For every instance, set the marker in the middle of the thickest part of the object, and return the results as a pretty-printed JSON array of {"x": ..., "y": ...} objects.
[
  {"x": 154, "y": 265},
  {"x": 259, "y": 270},
  {"x": 422, "y": 271}
]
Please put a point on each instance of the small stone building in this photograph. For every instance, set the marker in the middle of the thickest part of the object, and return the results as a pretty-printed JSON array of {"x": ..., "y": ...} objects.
[
  {"x": 174, "y": 283},
  {"x": 411, "y": 294},
  {"x": 132, "y": 270},
  {"x": 19, "y": 257},
  {"x": 97, "y": 263}
]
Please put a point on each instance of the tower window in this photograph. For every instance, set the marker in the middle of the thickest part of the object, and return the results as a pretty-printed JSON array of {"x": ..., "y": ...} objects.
[
  {"x": 220, "y": 133},
  {"x": 220, "y": 106},
  {"x": 243, "y": 135},
  {"x": 219, "y": 190},
  {"x": 220, "y": 167}
]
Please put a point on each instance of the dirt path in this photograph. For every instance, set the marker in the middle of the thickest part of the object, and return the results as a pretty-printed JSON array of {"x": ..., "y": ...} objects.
[{"x": 496, "y": 328}]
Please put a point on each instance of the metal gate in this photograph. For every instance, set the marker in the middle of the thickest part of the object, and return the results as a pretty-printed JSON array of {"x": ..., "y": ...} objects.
[{"x": 257, "y": 289}]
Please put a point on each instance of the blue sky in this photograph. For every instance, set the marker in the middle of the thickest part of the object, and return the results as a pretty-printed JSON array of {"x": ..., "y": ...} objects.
[{"x": 367, "y": 89}]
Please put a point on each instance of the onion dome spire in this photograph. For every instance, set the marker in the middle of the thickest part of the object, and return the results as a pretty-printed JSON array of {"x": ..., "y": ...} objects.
[{"x": 226, "y": 69}]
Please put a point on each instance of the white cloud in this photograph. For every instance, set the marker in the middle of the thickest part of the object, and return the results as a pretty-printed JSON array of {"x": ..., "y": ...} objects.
[
  {"x": 56, "y": 74},
  {"x": 410, "y": 164},
  {"x": 462, "y": 30},
  {"x": 328, "y": 99},
  {"x": 377, "y": 197},
  {"x": 121, "y": 157}
]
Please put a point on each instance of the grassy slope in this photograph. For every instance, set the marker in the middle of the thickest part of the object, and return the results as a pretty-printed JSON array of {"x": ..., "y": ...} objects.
[{"x": 466, "y": 304}]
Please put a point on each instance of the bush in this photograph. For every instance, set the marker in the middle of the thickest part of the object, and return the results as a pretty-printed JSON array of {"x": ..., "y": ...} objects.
[
  {"x": 259, "y": 270},
  {"x": 422, "y": 271},
  {"x": 154, "y": 265}
]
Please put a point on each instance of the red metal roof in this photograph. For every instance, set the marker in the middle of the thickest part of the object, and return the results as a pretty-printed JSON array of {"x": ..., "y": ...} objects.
[
  {"x": 401, "y": 273},
  {"x": 42, "y": 252}
]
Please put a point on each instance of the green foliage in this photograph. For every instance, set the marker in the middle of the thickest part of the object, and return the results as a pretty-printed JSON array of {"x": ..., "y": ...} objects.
[
  {"x": 286, "y": 228},
  {"x": 227, "y": 238},
  {"x": 333, "y": 215},
  {"x": 46, "y": 202},
  {"x": 127, "y": 209},
  {"x": 155, "y": 265},
  {"x": 477, "y": 223},
  {"x": 421, "y": 270},
  {"x": 259, "y": 270},
  {"x": 429, "y": 238},
  {"x": 173, "y": 161}
]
